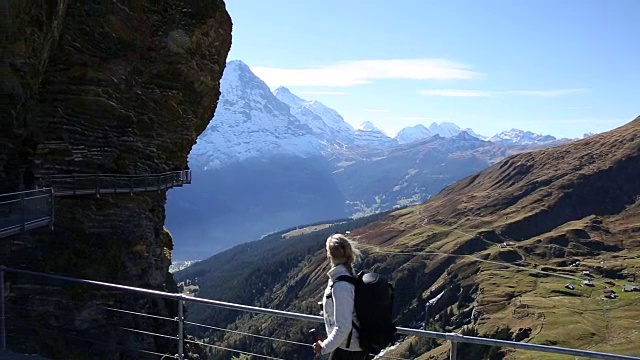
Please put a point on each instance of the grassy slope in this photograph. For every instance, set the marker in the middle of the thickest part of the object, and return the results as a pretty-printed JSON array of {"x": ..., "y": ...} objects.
[{"x": 518, "y": 299}]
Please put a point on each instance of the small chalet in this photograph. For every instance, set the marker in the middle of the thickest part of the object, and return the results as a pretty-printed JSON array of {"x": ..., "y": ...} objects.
[
  {"x": 588, "y": 282},
  {"x": 630, "y": 288},
  {"x": 570, "y": 286}
]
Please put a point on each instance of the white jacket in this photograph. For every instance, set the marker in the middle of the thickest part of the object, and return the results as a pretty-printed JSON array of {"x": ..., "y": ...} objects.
[{"x": 339, "y": 313}]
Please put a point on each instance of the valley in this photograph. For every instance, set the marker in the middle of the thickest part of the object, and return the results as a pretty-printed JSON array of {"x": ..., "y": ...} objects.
[
  {"x": 270, "y": 160},
  {"x": 493, "y": 255}
]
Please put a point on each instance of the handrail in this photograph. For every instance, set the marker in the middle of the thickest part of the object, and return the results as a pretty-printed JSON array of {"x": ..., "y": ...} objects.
[
  {"x": 453, "y": 337},
  {"x": 26, "y": 210},
  {"x": 97, "y": 184},
  {"x": 117, "y": 175}
]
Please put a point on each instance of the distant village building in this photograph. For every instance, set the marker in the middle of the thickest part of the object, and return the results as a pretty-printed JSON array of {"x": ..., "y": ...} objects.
[
  {"x": 588, "y": 283},
  {"x": 507, "y": 243},
  {"x": 610, "y": 283},
  {"x": 630, "y": 288},
  {"x": 570, "y": 286}
]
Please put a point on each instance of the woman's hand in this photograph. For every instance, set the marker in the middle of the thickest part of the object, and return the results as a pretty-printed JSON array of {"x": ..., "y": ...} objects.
[{"x": 317, "y": 347}]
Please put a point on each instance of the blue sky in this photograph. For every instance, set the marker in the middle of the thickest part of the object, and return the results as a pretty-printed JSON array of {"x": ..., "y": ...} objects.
[{"x": 560, "y": 67}]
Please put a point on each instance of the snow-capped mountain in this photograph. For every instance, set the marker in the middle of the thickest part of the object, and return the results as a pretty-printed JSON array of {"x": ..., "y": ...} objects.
[
  {"x": 445, "y": 129},
  {"x": 413, "y": 133},
  {"x": 474, "y": 134},
  {"x": 369, "y": 136},
  {"x": 520, "y": 137},
  {"x": 326, "y": 124},
  {"x": 250, "y": 122},
  {"x": 253, "y": 122}
]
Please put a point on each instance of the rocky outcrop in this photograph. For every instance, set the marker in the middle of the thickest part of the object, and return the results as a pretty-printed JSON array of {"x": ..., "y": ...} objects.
[{"x": 102, "y": 87}]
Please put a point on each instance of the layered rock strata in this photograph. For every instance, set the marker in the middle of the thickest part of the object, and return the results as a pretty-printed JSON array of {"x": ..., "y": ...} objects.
[{"x": 115, "y": 87}]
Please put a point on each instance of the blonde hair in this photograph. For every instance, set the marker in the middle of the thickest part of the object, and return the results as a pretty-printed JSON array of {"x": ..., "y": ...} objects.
[{"x": 341, "y": 250}]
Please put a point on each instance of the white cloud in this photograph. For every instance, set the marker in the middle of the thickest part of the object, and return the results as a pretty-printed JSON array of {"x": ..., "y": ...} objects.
[
  {"x": 324, "y": 92},
  {"x": 546, "y": 93},
  {"x": 417, "y": 118},
  {"x": 606, "y": 122},
  {"x": 480, "y": 93},
  {"x": 455, "y": 93},
  {"x": 362, "y": 72},
  {"x": 377, "y": 110}
]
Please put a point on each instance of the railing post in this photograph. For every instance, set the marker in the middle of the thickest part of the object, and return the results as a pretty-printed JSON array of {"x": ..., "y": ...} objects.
[
  {"x": 75, "y": 184},
  {"x": 53, "y": 209},
  {"x": 97, "y": 185},
  {"x": 454, "y": 350},
  {"x": 146, "y": 183},
  {"x": 180, "y": 329},
  {"x": 159, "y": 176},
  {"x": 131, "y": 185},
  {"x": 23, "y": 215},
  {"x": 2, "y": 324},
  {"x": 453, "y": 338}
]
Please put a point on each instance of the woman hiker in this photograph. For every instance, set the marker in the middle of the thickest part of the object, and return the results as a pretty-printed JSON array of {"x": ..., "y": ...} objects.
[{"x": 337, "y": 303}]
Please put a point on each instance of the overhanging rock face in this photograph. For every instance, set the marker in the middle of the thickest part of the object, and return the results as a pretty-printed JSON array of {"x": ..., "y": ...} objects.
[{"x": 102, "y": 87}]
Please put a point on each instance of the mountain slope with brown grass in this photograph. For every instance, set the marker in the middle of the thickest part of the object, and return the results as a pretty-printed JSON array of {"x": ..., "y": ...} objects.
[{"x": 492, "y": 255}]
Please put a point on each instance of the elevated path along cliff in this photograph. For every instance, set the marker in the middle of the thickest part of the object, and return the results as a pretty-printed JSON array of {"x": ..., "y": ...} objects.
[{"x": 25, "y": 210}]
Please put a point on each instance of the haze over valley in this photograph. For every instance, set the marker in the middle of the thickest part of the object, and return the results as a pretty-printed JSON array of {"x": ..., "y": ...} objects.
[{"x": 270, "y": 160}]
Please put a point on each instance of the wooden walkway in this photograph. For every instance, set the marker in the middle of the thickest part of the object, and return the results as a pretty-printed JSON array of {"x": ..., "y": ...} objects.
[{"x": 26, "y": 210}]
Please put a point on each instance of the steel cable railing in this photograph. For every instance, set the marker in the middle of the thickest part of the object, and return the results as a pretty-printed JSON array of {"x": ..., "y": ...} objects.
[
  {"x": 233, "y": 350},
  {"x": 248, "y": 334},
  {"x": 68, "y": 317},
  {"x": 235, "y": 332},
  {"x": 454, "y": 338},
  {"x": 60, "y": 332},
  {"x": 26, "y": 210}
]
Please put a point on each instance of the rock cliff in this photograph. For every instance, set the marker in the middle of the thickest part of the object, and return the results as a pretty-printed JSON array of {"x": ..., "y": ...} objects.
[{"x": 118, "y": 87}]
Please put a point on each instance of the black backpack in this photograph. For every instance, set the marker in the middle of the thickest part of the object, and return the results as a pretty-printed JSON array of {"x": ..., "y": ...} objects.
[{"x": 373, "y": 305}]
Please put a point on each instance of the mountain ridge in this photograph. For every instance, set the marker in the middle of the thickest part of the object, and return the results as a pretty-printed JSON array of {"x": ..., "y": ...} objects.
[{"x": 260, "y": 138}]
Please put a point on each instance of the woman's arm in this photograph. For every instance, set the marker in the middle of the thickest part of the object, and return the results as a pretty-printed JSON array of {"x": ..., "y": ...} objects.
[{"x": 343, "y": 294}]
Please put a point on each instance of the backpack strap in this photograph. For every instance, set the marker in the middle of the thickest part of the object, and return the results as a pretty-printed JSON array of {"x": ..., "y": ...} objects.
[
  {"x": 352, "y": 281},
  {"x": 347, "y": 278}
]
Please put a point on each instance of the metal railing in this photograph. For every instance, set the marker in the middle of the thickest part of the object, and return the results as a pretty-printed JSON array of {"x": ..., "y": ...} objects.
[
  {"x": 26, "y": 210},
  {"x": 454, "y": 338},
  {"x": 97, "y": 184}
]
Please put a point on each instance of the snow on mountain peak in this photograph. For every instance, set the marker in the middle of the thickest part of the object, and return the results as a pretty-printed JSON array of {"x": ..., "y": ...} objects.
[
  {"x": 368, "y": 135},
  {"x": 286, "y": 96},
  {"x": 521, "y": 137},
  {"x": 445, "y": 129},
  {"x": 413, "y": 133},
  {"x": 325, "y": 122},
  {"x": 250, "y": 121},
  {"x": 368, "y": 126}
]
